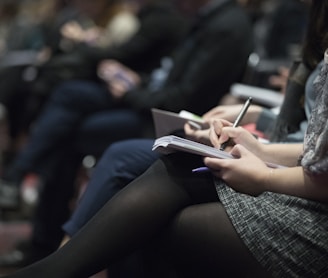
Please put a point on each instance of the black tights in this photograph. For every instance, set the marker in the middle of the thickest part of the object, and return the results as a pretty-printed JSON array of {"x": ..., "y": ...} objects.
[{"x": 168, "y": 197}]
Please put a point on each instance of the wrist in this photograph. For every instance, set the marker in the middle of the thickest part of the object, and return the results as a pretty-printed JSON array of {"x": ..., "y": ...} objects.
[{"x": 268, "y": 179}]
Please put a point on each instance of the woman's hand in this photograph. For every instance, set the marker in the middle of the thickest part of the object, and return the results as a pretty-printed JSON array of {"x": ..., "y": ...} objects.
[
  {"x": 198, "y": 135},
  {"x": 247, "y": 173},
  {"x": 221, "y": 131}
]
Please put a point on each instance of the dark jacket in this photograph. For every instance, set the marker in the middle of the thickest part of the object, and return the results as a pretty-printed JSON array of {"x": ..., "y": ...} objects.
[
  {"x": 161, "y": 29},
  {"x": 212, "y": 57}
]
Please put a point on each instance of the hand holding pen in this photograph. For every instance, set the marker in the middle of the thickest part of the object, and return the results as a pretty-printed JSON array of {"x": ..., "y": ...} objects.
[
  {"x": 222, "y": 124},
  {"x": 238, "y": 119}
]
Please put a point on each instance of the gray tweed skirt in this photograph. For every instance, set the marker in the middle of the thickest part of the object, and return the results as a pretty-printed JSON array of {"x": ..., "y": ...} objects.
[{"x": 287, "y": 235}]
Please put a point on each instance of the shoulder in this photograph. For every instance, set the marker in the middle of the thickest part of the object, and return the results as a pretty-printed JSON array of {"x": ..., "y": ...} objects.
[
  {"x": 230, "y": 13},
  {"x": 229, "y": 19}
]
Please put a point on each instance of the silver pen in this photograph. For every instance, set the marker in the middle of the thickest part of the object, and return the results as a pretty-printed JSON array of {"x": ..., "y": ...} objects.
[{"x": 238, "y": 119}]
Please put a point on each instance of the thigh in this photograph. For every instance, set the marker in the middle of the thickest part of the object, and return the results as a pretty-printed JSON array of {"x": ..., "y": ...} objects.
[
  {"x": 102, "y": 128},
  {"x": 205, "y": 244},
  {"x": 86, "y": 96},
  {"x": 131, "y": 158}
]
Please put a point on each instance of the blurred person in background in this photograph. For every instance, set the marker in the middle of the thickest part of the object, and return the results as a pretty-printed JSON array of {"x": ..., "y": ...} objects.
[{"x": 25, "y": 85}]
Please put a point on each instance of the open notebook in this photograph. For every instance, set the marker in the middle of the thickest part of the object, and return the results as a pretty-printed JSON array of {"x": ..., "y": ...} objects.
[
  {"x": 167, "y": 122},
  {"x": 171, "y": 143}
]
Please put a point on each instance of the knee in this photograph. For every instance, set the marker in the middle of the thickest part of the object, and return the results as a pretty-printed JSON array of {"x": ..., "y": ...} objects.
[
  {"x": 118, "y": 150},
  {"x": 116, "y": 157},
  {"x": 71, "y": 92},
  {"x": 128, "y": 159}
]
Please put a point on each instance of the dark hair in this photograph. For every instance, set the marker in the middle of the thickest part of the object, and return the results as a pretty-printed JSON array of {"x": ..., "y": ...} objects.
[{"x": 316, "y": 38}]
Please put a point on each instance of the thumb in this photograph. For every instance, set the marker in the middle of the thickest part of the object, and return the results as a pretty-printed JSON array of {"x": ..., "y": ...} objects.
[{"x": 239, "y": 151}]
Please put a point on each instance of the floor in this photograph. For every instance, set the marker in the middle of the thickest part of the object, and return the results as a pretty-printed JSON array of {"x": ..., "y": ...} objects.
[
  {"x": 10, "y": 234},
  {"x": 13, "y": 231},
  {"x": 15, "y": 227}
]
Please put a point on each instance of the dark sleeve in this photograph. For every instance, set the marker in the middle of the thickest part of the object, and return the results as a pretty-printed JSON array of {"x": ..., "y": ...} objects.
[
  {"x": 158, "y": 35},
  {"x": 205, "y": 79},
  {"x": 288, "y": 26}
]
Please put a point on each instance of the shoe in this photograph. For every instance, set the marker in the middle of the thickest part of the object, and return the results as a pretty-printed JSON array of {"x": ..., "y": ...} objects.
[
  {"x": 9, "y": 195},
  {"x": 24, "y": 254}
]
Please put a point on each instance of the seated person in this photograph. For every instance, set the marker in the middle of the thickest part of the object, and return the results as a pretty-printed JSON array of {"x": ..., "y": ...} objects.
[{"x": 124, "y": 161}]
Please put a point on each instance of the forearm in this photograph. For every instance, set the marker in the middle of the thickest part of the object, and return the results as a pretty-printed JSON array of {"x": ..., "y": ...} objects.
[
  {"x": 297, "y": 182},
  {"x": 284, "y": 154}
]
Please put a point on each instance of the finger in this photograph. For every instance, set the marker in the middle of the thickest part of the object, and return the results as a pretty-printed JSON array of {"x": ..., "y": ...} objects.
[
  {"x": 189, "y": 130},
  {"x": 221, "y": 122},
  {"x": 237, "y": 151},
  {"x": 215, "y": 164},
  {"x": 233, "y": 133},
  {"x": 219, "y": 135},
  {"x": 194, "y": 125},
  {"x": 220, "y": 130},
  {"x": 214, "y": 136},
  {"x": 240, "y": 151}
]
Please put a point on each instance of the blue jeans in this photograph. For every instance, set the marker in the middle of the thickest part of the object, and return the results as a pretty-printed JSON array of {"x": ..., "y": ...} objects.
[
  {"x": 81, "y": 114},
  {"x": 79, "y": 118},
  {"x": 119, "y": 165}
]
